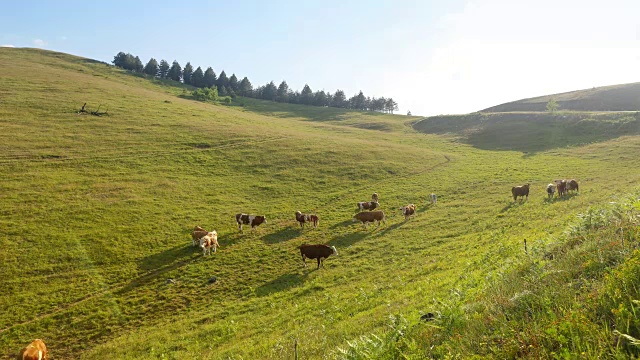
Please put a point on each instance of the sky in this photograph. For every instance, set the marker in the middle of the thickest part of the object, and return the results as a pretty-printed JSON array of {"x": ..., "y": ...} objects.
[{"x": 432, "y": 57}]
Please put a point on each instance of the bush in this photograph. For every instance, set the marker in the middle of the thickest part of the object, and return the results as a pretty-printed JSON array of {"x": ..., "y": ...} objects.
[{"x": 205, "y": 94}]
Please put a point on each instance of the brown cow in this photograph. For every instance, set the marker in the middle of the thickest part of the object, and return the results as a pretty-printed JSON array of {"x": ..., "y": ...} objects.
[
  {"x": 319, "y": 252},
  {"x": 521, "y": 191},
  {"x": 408, "y": 211},
  {"x": 367, "y": 205},
  {"x": 374, "y": 197},
  {"x": 572, "y": 185},
  {"x": 197, "y": 234},
  {"x": 314, "y": 219},
  {"x": 37, "y": 350},
  {"x": 562, "y": 187},
  {"x": 369, "y": 216},
  {"x": 302, "y": 218},
  {"x": 253, "y": 220}
]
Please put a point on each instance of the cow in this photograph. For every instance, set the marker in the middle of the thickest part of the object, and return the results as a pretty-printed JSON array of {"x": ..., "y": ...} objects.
[
  {"x": 367, "y": 205},
  {"x": 253, "y": 220},
  {"x": 369, "y": 216},
  {"x": 551, "y": 188},
  {"x": 408, "y": 211},
  {"x": 209, "y": 241},
  {"x": 314, "y": 219},
  {"x": 197, "y": 234},
  {"x": 374, "y": 197},
  {"x": 37, "y": 350},
  {"x": 317, "y": 251},
  {"x": 302, "y": 218},
  {"x": 521, "y": 191},
  {"x": 572, "y": 185},
  {"x": 434, "y": 198},
  {"x": 561, "y": 185}
]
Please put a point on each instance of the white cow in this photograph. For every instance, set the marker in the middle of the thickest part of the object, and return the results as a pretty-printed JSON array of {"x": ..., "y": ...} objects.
[{"x": 434, "y": 198}]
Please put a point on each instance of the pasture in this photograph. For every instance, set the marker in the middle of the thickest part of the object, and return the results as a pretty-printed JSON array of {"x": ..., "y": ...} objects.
[{"x": 96, "y": 214}]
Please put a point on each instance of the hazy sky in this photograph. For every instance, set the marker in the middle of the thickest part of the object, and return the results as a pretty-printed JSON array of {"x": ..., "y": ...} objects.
[{"x": 432, "y": 57}]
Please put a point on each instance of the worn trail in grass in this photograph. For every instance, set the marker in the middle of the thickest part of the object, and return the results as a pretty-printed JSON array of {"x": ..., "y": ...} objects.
[{"x": 100, "y": 210}]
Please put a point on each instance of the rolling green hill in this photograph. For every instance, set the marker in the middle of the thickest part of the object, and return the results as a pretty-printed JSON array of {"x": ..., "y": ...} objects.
[
  {"x": 96, "y": 212},
  {"x": 623, "y": 97}
]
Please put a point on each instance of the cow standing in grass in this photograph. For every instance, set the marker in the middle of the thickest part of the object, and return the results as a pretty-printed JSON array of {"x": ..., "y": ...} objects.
[
  {"x": 253, "y": 220},
  {"x": 551, "y": 189},
  {"x": 520, "y": 191},
  {"x": 319, "y": 252}
]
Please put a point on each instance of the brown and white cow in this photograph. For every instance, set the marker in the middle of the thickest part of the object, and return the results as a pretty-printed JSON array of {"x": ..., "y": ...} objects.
[
  {"x": 551, "y": 188},
  {"x": 197, "y": 234},
  {"x": 434, "y": 198},
  {"x": 253, "y": 220},
  {"x": 374, "y": 197},
  {"x": 37, "y": 350},
  {"x": 408, "y": 211},
  {"x": 367, "y": 205},
  {"x": 208, "y": 242}
]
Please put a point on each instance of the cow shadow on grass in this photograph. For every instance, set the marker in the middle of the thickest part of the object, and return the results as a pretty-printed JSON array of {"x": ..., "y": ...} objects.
[
  {"x": 513, "y": 204},
  {"x": 350, "y": 238},
  {"x": 175, "y": 254},
  {"x": 285, "y": 234},
  {"x": 555, "y": 199},
  {"x": 342, "y": 224},
  {"x": 282, "y": 283}
]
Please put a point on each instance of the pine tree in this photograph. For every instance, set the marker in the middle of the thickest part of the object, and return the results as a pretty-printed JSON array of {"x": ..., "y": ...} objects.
[
  {"x": 339, "y": 99},
  {"x": 233, "y": 83},
  {"x": 210, "y": 79},
  {"x": 245, "y": 88},
  {"x": 164, "y": 69},
  {"x": 270, "y": 92},
  {"x": 197, "y": 79},
  {"x": 223, "y": 80},
  {"x": 283, "y": 92},
  {"x": 120, "y": 59},
  {"x": 320, "y": 98},
  {"x": 138, "y": 66},
  {"x": 306, "y": 96},
  {"x": 186, "y": 73},
  {"x": 175, "y": 73},
  {"x": 151, "y": 68}
]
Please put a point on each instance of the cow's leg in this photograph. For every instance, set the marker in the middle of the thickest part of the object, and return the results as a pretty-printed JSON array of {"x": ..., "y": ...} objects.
[
  {"x": 304, "y": 261},
  {"x": 319, "y": 258}
]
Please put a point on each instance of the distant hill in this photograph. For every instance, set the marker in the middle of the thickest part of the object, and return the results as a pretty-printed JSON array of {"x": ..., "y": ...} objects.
[{"x": 623, "y": 97}]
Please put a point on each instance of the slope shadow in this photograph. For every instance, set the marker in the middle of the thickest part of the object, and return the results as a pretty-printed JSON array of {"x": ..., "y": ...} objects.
[
  {"x": 285, "y": 234},
  {"x": 391, "y": 228},
  {"x": 283, "y": 282},
  {"x": 312, "y": 113}
]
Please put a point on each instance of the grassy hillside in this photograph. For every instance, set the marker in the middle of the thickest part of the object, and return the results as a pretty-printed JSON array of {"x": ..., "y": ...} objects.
[
  {"x": 623, "y": 97},
  {"x": 96, "y": 213},
  {"x": 534, "y": 131}
]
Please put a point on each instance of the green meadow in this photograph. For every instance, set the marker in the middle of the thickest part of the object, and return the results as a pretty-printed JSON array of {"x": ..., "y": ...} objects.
[{"x": 95, "y": 248}]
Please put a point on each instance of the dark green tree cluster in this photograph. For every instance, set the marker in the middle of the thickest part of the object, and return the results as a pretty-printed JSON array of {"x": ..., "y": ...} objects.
[
  {"x": 230, "y": 86},
  {"x": 283, "y": 93}
]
